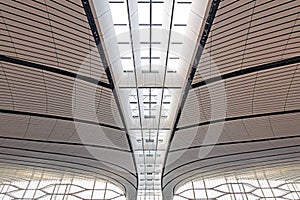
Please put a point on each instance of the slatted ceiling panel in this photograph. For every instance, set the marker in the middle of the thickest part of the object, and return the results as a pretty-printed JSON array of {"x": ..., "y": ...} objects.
[
  {"x": 184, "y": 138},
  {"x": 279, "y": 143},
  {"x": 60, "y": 38},
  {"x": 46, "y": 147},
  {"x": 280, "y": 124},
  {"x": 76, "y": 3},
  {"x": 271, "y": 89},
  {"x": 13, "y": 144},
  {"x": 261, "y": 92},
  {"x": 239, "y": 95},
  {"x": 6, "y": 45},
  {"x": 236, "y": 131},
  {"x": 183, "y": 157},
  {"x": 57, "y": 130},
  {"x": 196, "y": 136},
  {"x": 43, "y": 92},
  {"x": 293, "y": 42},
  {"x": 234, "y": 160},
  {"x": 250, "y": 33},
  {"x": 20, "y": 79},
  {"x": 106, "y": 108},
  {"x": 98, "y": 135},
  {"x": 6, "y": 101},
  {"x": 193, "y": 108},
  {"x": 293, "y": 96},
  {"x": 75, "y": 138},
  {"x": 116, "y": 137},
  {"x": 59, "y": 94},
  {"x": 30, "y": 35},
  {"x": 239, "y": 130},
  {"x": 258, "y": 127},
  {"x": 29, "y": 91},
  {"x": 62, "y": 131},
  {"x": 13, "y": 125},
  {"x": 40, "y": 128},
  {"x": 66, "y": 166}
]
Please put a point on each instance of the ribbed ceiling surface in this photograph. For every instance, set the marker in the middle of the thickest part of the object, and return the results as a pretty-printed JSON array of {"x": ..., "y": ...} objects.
[{"x": 245, "y": 93}]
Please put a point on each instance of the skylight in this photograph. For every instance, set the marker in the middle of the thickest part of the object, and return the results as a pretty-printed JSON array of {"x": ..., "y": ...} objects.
[{"x": 150, "y": 36}]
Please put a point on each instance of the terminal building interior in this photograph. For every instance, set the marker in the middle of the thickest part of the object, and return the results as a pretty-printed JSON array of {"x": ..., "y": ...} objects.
[{"x": 150, "y": 99}]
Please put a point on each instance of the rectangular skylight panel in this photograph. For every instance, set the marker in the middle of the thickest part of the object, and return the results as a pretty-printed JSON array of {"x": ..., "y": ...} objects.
[
  {"x": 176, "y": 42},
  {"x": 133, "y": 98},
  {"x": 144, "y": 34},
  {"x": 122, "y": 34},
  {"x": 127, "y": 64},
  {"x": 157, "y": 13},
  {"x": 145, "y": 53},
  {"x": 181, "y": 12},
  {"x": 156, "y": 60},
  {"x": 173, "y": 63},
  {"x": 119, "y": 29},
  {"x": 125, "y": 50},
  {"x": 144, "y": 13},
  {"x": 155, "y": 53},
  {"x": 133, "y": 107},
  {"x": 119, "y": 13},
  {"x": 145, "y": 64},
  {"x": 179, "y": 29},
  {"x": 157, "y": 64}
]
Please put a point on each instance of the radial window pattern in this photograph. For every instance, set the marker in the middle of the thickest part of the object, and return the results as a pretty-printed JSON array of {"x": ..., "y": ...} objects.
[
  {"x": 33, "y": 184},
  {"x": 250, "y": 187}
]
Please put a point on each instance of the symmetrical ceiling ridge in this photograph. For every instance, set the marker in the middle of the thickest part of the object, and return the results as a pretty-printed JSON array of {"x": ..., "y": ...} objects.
[
  {"x": 165, "y": 98},
  {"x": 147, "y": 76}
]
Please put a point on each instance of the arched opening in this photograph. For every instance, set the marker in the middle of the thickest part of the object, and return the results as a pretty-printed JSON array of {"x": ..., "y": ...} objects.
[
  {"x": 18, "y": 183},
  {"x": 281, "y": 184}
]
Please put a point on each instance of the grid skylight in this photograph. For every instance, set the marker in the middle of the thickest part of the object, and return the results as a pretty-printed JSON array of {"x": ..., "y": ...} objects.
[{"x": 151, "y": 59}]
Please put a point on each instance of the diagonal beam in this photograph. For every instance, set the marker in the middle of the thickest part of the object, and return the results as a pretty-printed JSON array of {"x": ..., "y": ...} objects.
[
  {"x": 101, "y": 51},
  {"x": 241, "y": 72},
  {"x": 59, "y": 118},
  {"x": 237, "y": 118},
  {"x": 53, "y": 70}
]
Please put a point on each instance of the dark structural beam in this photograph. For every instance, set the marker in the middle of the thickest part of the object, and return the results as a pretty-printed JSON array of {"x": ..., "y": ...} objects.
[
  {"x": 60, "y": 118},
  {"x": 53, "y": 70},
  {"x": 237, "y": 118},
  {"x": 95, "y": 32},
  {"x": 262, "y": 67},
  {"x": 202, "y": 42}
]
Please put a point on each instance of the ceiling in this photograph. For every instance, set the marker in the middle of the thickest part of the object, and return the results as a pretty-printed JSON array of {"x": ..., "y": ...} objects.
[{"x": 74, "y": 89}]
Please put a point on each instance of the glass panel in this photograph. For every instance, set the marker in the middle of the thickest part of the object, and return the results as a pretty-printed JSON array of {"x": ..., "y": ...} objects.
[
  {"x": 55, "y": 185},
  {"x": 239, "y": 187}
]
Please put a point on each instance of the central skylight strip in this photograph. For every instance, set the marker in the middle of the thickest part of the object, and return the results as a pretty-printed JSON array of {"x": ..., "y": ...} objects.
[
  {"x": 163, "y": 92},
  {"x": 150, "y": 49}
]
